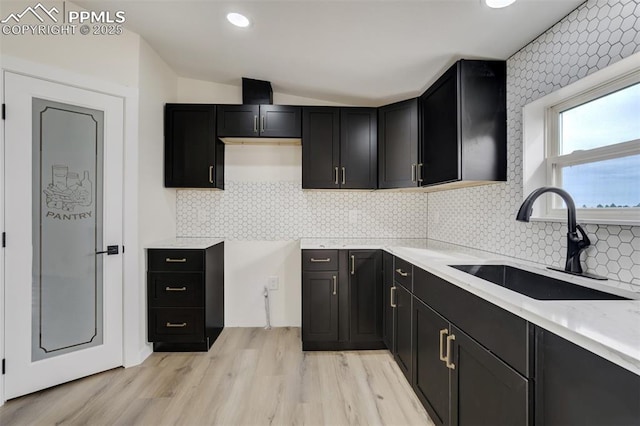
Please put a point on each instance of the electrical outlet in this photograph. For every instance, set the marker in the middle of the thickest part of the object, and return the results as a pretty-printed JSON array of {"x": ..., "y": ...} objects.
[
  {"x": 202, "y": 215},
  {"x": 273, "y": 282}
]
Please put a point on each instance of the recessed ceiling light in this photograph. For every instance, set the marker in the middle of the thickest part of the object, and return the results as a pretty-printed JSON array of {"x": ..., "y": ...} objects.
[
  {"x": 238, "y": 19},
  {"x": 497, "y": 4}
]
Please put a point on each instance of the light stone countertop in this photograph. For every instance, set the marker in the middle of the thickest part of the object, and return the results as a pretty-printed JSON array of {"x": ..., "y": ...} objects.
[
  {"x": 185, "y": 243},
  {"x": 608, "y": 328}
]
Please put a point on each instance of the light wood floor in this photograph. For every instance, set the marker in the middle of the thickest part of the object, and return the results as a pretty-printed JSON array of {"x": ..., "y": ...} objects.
[{"x": 251, "y": 376}]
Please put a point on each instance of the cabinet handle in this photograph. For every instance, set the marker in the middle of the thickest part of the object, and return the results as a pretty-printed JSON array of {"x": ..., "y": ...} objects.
[
  {"x": 170, "y": 260},
  {"x": 344, "y": 176},
  {"x": 336, "y": 175},
  {"x": 175, "y": 289},
  {"x": 392, "y": 297},
  {"x": 262, "y": 124},
  {"x": 353, "y": 264},
  {"x": 314, "y": 260},
  {"x": 175, "y": 325},
  {"x": 443, "y": 333},
  {"x": 448, "y": 361},
  {"x": 413, "y": 172},
  {"x": 255, "y": 124},
  {"x": 420, "y": 165},
  {"x": 404, "y": 274},
  {"x": 335, "y": 285},
  {"x": 210, "y": 174}
]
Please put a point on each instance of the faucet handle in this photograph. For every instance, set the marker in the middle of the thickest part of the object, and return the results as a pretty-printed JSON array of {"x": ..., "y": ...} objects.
[{"x": 585, "y": 241}]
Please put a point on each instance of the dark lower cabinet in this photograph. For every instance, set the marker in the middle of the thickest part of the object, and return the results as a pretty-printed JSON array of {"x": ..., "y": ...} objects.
[
  {"x": 320, "y": 306},
  {"x": 341, "y": 299},
  {"x": 193, "y": 155},
  {"x": 577, "y": 387},
  {"x": 430, "y": 374},
  {"x": 402, "y": 330},
  {"x": 387, "y": 301},
  {"x": 185, "y": 298},
  {"x": 484, "y": 390}
]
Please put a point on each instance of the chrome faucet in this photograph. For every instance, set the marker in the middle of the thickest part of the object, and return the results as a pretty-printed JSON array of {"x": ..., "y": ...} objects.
[{"x": 575, "y": 243}]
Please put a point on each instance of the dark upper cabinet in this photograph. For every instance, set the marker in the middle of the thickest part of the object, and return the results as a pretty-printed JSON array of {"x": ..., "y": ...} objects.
[
  {"x": 193, "y": 155},
  {"x": 339, "y": 148},
  {"x": 272, "y": 121},
  {"x": 320, "y": 147},
  {"x": 463, "y": 125},
  {"x": 358, "y": 148},
  {"x": 577, "y": 387},
  {"x": 387, "y": 300},
  {"x": 365, "y": 283},
  {"x": 398, "y": 145}
]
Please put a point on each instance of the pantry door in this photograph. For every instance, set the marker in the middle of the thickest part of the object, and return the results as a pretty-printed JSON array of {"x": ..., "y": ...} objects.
[{"x": 63, "y": 220}]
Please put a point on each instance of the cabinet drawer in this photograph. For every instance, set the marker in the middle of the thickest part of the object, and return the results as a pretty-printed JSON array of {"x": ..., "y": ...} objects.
[
  {"x": 319, "y": 260},
  {"x": 403, "y": 273},
  {"x": 176, "y": 325},
  {"x": 176, "y": 260},
  {"x": 503, "y": 333},
  {"x": 175, "y": 289}
]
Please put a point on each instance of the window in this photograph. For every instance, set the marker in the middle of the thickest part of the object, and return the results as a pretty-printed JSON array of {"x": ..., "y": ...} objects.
[{"x": 585, "y": 138}]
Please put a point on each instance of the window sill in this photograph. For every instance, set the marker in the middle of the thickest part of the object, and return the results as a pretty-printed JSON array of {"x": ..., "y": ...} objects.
[{"x": 589, "y": 220}]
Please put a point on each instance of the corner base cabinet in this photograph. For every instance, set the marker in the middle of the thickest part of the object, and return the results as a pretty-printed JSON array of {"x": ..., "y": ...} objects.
[
  {"x": 341, "y": 299},
  {"x": 185, "y": 298}
]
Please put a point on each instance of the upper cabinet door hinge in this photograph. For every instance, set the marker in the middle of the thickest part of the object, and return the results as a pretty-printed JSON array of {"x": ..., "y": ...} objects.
[{"x": 4, "y": 111}]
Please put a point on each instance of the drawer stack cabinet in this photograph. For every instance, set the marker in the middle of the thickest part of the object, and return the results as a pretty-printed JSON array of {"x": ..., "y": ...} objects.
[{"x": 185, "y": 298}]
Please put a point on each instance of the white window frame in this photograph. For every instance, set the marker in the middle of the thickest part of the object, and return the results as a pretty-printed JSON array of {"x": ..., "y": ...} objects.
[{"x": 541, "y": 138}]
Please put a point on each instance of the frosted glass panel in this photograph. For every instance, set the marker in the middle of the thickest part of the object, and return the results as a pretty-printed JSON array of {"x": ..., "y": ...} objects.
[{"x": 67, "y": 228}]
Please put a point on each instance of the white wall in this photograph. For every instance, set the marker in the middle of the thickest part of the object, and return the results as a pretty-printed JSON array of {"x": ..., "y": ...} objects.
[{"x": 156, "y": 204}]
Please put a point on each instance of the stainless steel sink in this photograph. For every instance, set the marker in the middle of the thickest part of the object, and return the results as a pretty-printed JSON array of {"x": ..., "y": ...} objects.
[{"x": 534, "y": 285}]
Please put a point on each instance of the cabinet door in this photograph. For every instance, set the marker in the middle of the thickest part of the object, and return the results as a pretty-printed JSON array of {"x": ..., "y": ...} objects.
[
  {"x": 320, "y": 147},
  {"x": 440, "y": 153},
  {"x": 358, "y": 148},
  {"x": 320, "y": 306},
  {"x": 398, "y": 133},
  {"x": 238, "y": 120},
  {"x": 387, "y": 300},
  {"x": 190, "y": 146},
  {"x": 485, "y": 390},
  {"x": 577, "y": 387},
  {"x": 280, "y": 121},
  {"x": 402, "y": 331},
  {"x": 430, "y": 373},
  {"x": 365, "y": 283}
]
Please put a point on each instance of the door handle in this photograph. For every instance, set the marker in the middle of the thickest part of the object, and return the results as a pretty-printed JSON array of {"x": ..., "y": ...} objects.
[
  {"x": 413, "y": 172},
  {"x": 210, "y": 174},
  {"x": 336, "y": 176},
  {"x": 110, "y": 250},
  {"x": 255, "y": 124},
  {"x": 314, "y": 260},
  {"x": 392, "y": 294},
  {"x": 404, "y": 274},
  {"x": 420, "y": 165},
  {"x": 353, "y": 264},
  {"x": 262, "y": 124},
  {"x": 450, "y": 363},
  {"x": 335, "y": 285},
  {"x": 443, "y": 356},
  {"x": 175, "y": 325},
  {"x": 175, "y": 289},
  {"x": 344, "y": 176}
]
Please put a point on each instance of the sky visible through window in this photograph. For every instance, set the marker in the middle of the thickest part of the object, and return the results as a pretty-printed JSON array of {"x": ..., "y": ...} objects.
[{"x": 608, "y": 120}]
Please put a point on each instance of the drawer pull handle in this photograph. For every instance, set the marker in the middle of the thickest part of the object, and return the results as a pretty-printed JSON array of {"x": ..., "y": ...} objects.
[
  {"x": 176, "y": 325},
  {"x": 175, "y": 289},
  {"x": 335, "y": 285},
  {"x": 336, "y": 176},
  {"x": 210, "y": 174},
  {"x": 170, "y": 260},
  {"x": 393, "y": 302},
  {"x": 404, "y": 274},
  {"x": 449, "y": 363},
  {"x": 314, "y": 260},
  {"x": 443, "y": 356}
]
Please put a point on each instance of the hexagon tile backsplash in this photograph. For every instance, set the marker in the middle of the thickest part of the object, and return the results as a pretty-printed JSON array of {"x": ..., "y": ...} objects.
[{"x": 596, "y": 34}]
